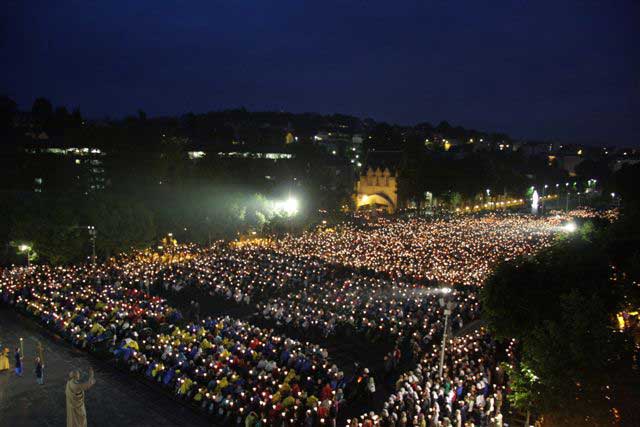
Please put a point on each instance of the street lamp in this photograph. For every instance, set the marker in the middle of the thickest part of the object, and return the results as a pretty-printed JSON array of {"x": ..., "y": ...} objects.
[
  {"x": 92, "y": 238},
  {"x": 26, "y": 249},
  {"x": 448, "y": 306},
  {"x": 92, "y": 234}
]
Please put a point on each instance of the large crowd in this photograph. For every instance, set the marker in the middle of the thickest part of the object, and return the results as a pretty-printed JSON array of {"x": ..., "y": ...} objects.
[
  {"x": 384, "y": 279},
  {"x": 470, "y": 391},
  {"x": 455, "y": 251},
  {"x": 228, "y": 367},
  {"x": 378, "y": 278},
  {"x": 313, "y": 296}
]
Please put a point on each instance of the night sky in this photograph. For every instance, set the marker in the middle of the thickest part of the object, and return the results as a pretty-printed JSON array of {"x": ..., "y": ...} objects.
[{"x": 563, "y": 70}]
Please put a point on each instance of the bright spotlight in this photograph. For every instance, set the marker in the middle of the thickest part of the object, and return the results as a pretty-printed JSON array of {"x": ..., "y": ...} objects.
[
  {"x": 291, "y": 206},
  {"x": 288, "y": 207},
  {"x": 570, "y": 227},
  {"x": 24, "y": 248}
]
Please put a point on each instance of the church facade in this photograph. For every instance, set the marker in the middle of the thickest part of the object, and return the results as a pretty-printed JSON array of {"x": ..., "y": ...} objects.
[{"x": 377, "y": 188}]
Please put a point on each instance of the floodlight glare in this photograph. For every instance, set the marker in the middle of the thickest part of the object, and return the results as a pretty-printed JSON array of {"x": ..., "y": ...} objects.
[
  {"x": 24, "y": 248},
  {"x": 288, "y": 207},
  {"x": 291, "y": 206},
  {"x": 570, "y": 227}
]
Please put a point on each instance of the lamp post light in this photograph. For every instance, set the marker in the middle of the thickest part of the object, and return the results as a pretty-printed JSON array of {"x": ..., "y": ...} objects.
[
  {"x": 566, "y": 205},
  {"x": 92, "y": 238},
  {"x": 26, "y": 249},
  {"x": 92, "y": 234},
  {"x": 448, "y": 306},
  {"x": 614, "y": 200}
]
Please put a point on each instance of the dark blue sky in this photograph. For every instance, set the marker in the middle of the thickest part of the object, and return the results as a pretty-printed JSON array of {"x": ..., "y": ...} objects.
[{"x": 566, "y": 70}]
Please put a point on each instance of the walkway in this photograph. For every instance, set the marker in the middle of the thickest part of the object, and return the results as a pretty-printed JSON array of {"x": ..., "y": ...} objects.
[{"x": 115, "y": 400}]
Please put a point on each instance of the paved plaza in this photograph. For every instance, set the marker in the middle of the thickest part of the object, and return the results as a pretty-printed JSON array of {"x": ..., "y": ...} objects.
[{"x": 115, "y": 400}]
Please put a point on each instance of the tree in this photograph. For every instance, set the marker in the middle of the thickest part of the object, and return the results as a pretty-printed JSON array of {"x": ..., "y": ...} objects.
[
  {"x": 623, "y": 238},
  {"x": 50, "y": 227},
  {"x": 172, "y": 159},
  {"x": 122, "y": 224},
  {"x": 589, "y": 168},
  {"x": 410, "y": 185},
  {"x": 76, "y": 117},
  {"x": 42, "y": 111},
  {"x": 560, "y": 305},
  {"x": 455, "y": 200},
  {"x": 523, "y": 384},
  {"x": 8, "y": 108}
]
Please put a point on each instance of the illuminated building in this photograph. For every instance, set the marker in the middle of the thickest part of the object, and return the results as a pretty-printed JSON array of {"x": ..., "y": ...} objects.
[{"x": 377, "y": 188}]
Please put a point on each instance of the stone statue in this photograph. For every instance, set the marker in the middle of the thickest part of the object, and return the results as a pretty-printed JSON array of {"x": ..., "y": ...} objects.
[{"x": 76, "y": 412}]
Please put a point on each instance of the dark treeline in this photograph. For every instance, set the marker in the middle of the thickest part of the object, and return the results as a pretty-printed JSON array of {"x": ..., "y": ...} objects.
[
  {"x": 575, "y": 366},
  {"x": 150, "y": 186},
  {"x": 141, "y": 183}
]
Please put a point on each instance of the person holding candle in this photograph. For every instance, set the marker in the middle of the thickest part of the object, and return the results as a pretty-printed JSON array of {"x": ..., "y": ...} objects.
[{"x": 18, "y": 358}]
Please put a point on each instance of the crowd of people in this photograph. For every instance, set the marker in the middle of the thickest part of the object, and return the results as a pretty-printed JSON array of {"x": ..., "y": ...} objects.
[
  {"x": 470, "y": 391},
  {"x": 454, "y": 251},
  {"x": 315, "y": 297},
  {"x": 609, "y": 215},
  {"x": 229, "y": 368},
  {"x": 384, "y": 279},
  {"x": 376, "y": 278}
]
